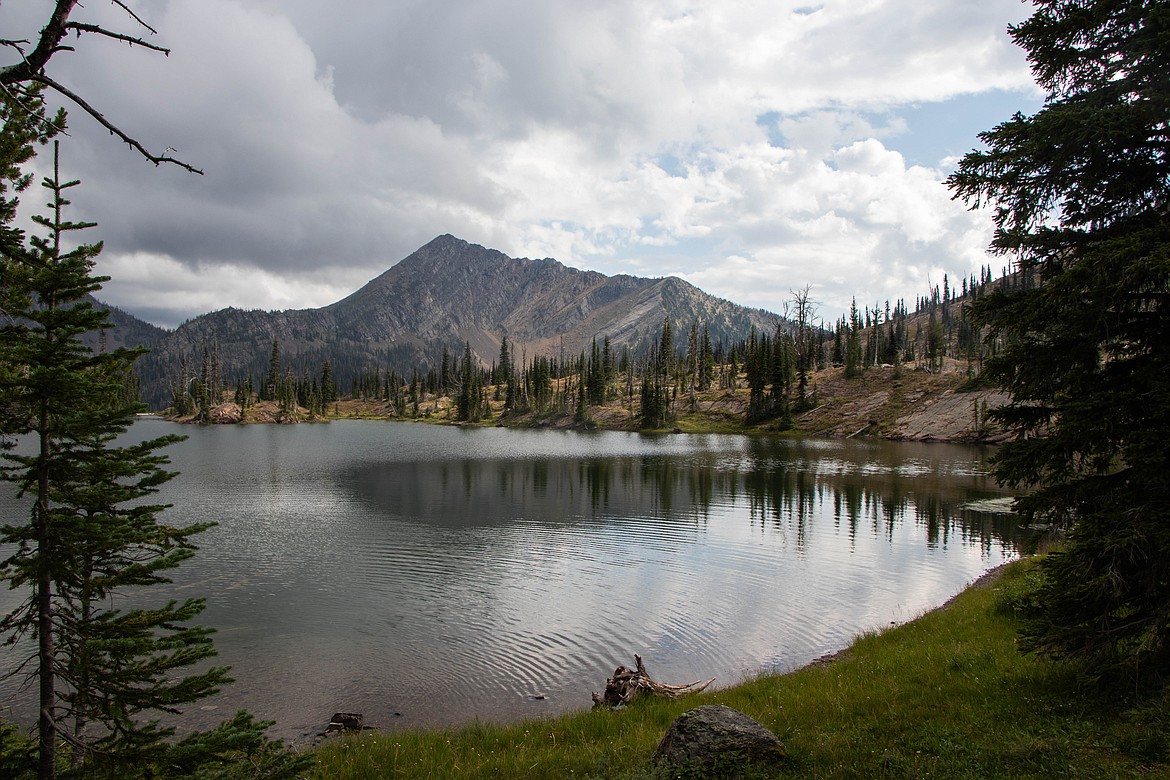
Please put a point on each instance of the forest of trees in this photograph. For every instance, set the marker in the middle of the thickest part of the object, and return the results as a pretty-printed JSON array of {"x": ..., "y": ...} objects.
[{"x": 653, "y": 384}]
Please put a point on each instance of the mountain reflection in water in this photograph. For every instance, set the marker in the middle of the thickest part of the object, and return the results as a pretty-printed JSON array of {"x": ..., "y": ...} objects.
[{"x": 428, "y": 575}]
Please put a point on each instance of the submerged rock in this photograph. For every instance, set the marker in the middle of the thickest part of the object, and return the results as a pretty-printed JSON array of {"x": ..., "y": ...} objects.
[{"x": 345, "y": 722}]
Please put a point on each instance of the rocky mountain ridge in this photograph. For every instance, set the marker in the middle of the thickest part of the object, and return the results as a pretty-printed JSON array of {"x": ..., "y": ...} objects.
[{"x": 446, "y": 294}]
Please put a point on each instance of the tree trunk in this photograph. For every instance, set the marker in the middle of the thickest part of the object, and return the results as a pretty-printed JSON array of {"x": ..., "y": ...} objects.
[{"x": 46, "y": 652}]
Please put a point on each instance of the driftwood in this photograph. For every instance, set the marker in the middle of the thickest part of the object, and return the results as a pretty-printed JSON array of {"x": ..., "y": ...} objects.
[
  {"x": 343, "y": 723},
  {"x": 629, "y": 684}
]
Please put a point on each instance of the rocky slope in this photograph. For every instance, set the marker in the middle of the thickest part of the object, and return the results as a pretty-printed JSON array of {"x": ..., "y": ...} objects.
[
  {"x": 914, "y": 405},
  {"x": 446, "y": 294}
]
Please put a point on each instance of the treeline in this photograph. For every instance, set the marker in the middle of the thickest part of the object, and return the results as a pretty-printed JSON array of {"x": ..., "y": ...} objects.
[
  {"x": 654, "y": 385},
  {"x": 940, "y": 328}
]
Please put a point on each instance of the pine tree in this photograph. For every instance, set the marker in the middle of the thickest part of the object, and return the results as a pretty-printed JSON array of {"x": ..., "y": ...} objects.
[
  {"x": 935, "y": 349},
  {"x": 757, "y": 360},
  {"x": 1081, "y": 191},
  {"x": 706, "y": 361},
  {"x": 666, "y": 349},
  {"x": 328, "y": 387},
  {"x": 469, "y": 404},
  {"x": 445, "y": 381},
  {"x": 271, "y": 389},
  {"x": 853, "y": 356},
  {"x": 90, "y": 531},
  {"x": 81, "y": 541},
  {"x": 503, "y": 371},
  {"x": 651, "y": 409}
]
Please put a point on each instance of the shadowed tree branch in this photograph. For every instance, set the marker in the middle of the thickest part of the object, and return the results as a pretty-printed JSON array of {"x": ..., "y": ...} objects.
[
  {"x": 31, "y": 67},
  {"x": 80, "y": 27},
  {"x": 114, "y": 129}
]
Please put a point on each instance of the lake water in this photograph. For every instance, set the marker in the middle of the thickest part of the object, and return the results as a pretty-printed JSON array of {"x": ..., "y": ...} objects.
[{"x": 427, "y": 575}]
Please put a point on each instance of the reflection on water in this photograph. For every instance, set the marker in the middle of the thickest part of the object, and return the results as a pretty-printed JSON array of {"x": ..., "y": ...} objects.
[{"x": 429, "y": 575}]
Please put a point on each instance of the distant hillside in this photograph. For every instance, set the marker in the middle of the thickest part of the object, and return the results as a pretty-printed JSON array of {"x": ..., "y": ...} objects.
[{"x": 445, "y": 294}]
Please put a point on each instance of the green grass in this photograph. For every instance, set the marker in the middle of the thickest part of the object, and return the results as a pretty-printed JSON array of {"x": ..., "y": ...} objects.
[{"x": 946, "y": 695}]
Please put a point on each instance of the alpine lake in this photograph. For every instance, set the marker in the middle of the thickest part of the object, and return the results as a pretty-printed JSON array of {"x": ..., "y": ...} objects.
[{"x": 427, "y": 575}]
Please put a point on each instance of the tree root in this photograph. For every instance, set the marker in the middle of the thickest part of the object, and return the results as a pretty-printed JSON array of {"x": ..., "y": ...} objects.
[{"x": 629, "y": 684}]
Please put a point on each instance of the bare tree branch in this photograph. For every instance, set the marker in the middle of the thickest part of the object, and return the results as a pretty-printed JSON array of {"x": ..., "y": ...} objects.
[
  {"x": 80, "y": 27},
  {"x": 134, "y": 16},
  {"x": 31, "y": 67},
  {"x": 47, "y": 45},
  {"x": 114, "y": 130}
]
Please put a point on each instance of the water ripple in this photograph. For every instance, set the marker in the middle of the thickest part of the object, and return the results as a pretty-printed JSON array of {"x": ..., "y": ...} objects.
[{"x": 427, "y": 575}]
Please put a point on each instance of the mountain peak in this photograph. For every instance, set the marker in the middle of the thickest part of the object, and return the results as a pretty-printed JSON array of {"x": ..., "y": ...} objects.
[
  {"x": 450, "y": 249},
  {"x": 447, "y": 293}
]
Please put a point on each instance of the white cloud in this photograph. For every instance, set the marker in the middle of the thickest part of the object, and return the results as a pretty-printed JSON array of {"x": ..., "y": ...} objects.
[
  {"x": 158, "y": 283},
  {"x": 748, "y": 146}
]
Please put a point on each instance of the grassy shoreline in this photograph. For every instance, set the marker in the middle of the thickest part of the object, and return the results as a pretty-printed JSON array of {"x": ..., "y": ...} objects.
[{"x": 945, "y": 695}]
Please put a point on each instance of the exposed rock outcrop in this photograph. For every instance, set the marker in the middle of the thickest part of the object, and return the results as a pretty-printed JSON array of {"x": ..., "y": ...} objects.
[
  {"x": 718, "y": 741},
  {"x": 225, "y": 414},
  {"x": 952, "y": 416}
]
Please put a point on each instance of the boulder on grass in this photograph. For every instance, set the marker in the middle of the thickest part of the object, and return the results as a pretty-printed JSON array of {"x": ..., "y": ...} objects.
[{"x": 718, "y": 740}]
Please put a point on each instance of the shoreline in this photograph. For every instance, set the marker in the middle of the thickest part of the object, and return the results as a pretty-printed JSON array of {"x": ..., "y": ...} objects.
[
  {"x": 987, "y": 579},
  {"x": 884, "y": 403}
]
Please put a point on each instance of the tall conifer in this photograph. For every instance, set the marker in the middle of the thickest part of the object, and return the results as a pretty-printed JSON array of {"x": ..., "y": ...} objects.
[
  {"x": 1081, "y": 191},
  {"x": 104, "y": 673}
]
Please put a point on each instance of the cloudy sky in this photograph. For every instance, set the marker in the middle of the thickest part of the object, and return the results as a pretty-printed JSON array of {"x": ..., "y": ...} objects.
[{"x": 750, "y": 148}]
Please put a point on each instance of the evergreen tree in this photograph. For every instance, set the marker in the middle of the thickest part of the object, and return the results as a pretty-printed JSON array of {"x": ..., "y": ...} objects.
[
  {"x": 935, "y": 349},
  {"x": 594, "y": 384},
  {"x": 181, "y": 401},
  {"x": 838, "y": 350},
  {"x": 271, "y": 389},
  {"x": 693, "y": 363},
  {"x": 853, "y": 356},
  {"x": 469, "y": 404},
  {"x": 706, "y": 361},
  {"x": 90, "y": 531},
  {"x": 652, "y": 411},
  {"x": 205, "y": 389},
  {"x": 1082, "y": 197},
  {"x": 507, "y": 376},
  {"x": 504, "y": 365},
  {"x": 608, "y": 366},
  {"x": 756, "y": 365},
  {"x": 783, "y": 373},
  {"x": 445, "y": 372},
  {"x": 328, "y": 388},
  {"x": 95, "y": 664},
  {"x": 665, "y": 349}
]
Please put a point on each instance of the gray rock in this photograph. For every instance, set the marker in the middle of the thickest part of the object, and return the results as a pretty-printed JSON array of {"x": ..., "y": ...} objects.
[{"x": 718, "y": 739}]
